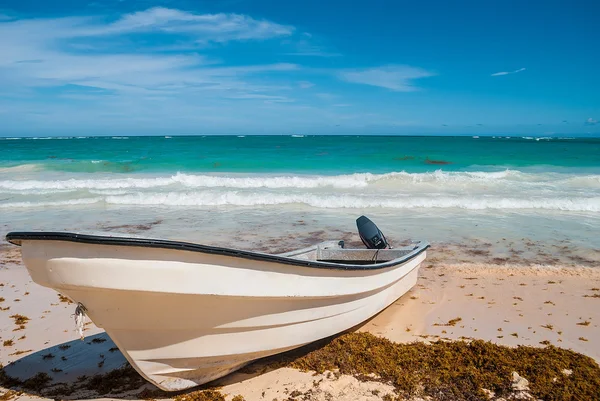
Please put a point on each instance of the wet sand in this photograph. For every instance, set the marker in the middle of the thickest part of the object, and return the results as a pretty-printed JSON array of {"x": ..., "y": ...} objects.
[{"x": 506, "y": 303}]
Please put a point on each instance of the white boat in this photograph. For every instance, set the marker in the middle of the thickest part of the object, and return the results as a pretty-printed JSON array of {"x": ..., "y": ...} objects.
[{"x": 185, "y": 314}]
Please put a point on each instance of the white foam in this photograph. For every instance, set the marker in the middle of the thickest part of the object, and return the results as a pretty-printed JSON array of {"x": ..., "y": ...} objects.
[
  {"x": 22, "y": 168},
  {"x": 70, "y": 202},
  {"x": 440, "y": 180},
  {"x": 235, "y": 198}
]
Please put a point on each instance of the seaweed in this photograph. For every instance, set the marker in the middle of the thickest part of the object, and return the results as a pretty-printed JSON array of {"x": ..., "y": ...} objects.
[
  {"x": 21, "y": 352},
  {"x": 64, "y": 299},
  {"x": 451, "y": 322},
  {"x": 20, "y": 319},
  {"x": 437, "y": 162},
  {"x": 201, "y": 395},
  {"x": 458, "y": 370},
  {"x": 121, "y": 379}
]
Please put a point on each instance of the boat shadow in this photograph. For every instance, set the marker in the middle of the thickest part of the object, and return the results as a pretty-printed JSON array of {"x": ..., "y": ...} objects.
[
  {"x": 75, "y": 370},
  {"x": 94, "y": 367}
]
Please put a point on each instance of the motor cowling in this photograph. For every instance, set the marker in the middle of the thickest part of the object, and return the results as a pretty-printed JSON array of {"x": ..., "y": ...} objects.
[{"x": 370, "y": 234}]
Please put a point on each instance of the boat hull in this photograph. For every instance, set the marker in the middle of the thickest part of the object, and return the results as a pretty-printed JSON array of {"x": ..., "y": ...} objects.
[{"x": 186, "y": 318}]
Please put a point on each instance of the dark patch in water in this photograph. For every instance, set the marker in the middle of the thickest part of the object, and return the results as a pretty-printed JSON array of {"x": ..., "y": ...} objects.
[
  {"x": 132, "y": 228},
  {"x": 438, "y": 162}
]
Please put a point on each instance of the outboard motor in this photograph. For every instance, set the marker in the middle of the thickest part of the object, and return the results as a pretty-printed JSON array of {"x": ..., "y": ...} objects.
[{"x": 370, "y": 234}]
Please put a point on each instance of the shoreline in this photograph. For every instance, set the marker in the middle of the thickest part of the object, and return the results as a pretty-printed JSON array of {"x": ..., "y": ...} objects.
[{"x": 509, "y": 304}]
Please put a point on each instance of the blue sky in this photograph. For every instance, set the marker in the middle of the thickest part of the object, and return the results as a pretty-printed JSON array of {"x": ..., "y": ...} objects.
[{"x": 311, "y": 67}]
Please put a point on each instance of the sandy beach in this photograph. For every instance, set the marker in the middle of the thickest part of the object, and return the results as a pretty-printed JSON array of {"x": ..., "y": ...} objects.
[{"x": 505, "y": 304}]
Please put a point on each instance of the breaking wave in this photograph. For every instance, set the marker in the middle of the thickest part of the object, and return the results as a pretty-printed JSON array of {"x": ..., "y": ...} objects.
[
  {"x": 234, "y": 198},
  {"x": 396, "y": 180},
  {"x": 354, "y": 202},
  {"x": 505, "y": 190}
]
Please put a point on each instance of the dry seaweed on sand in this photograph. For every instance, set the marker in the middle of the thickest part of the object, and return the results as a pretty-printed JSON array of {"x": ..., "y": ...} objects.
[
  {"x": 458, "y": 370},
  {"x": 20, "y": 319},
  {"x": 202, "y": 395},
  {"x": 451, "y": 322},
  {"x": 64, "y": 299}
]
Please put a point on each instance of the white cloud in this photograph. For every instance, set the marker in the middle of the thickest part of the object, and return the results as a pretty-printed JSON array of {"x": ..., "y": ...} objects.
[
  {"x": 210, "y": 27},
  {"x": 497, "y": 74},
  {"x": 305, "y": 84},
  {"x": 326, "y": 96},
  {"x": 306, "y": 48},
  {"x": 591, "y": 121},
  {"x": 62, "y": 51},
  {"x": 394, "y": 77}
]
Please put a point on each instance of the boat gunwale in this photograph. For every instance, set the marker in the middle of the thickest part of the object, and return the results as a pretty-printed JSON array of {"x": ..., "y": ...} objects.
[{"x": 17, "y": 237}]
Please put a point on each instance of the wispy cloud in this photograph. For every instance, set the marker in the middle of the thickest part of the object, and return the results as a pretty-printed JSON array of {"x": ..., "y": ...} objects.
[
  {"x": 213, "y": 27},
  {"x": 305, "y": 84},
  {"x": 397, "y": 78},
  {"x": 63, "y": 51},
  {"x": 497, "y": 74},
  {"x": 591, "y": 121},
  {"x": 307, "y": 48}
]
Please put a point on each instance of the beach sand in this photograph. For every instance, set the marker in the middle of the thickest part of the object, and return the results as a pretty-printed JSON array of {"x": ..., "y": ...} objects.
[{"x": 506, "y": 304}]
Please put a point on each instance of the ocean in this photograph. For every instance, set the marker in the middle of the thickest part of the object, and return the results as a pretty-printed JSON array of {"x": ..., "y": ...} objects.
[{"x": 507, "y": 199}]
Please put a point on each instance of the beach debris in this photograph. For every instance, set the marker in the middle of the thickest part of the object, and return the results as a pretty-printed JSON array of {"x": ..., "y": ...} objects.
[
  {"x": 451, "y": 322},
  {"x": 20, "y": 320},
  {"x": 20, "y": 352},
  {"x": 521, "y": 386},
  {"x": 64, "y": 299},
  {"x": 201, "y": 395}
]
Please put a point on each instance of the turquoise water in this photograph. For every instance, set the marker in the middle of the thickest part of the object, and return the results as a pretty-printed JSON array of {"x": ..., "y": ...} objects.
[
  {"x": 312, "y": 154},
  {"x": 262, "y": 190}
]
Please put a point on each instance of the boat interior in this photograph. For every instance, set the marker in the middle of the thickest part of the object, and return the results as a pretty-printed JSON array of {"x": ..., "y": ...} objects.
[{"x": 334, "y": 252}]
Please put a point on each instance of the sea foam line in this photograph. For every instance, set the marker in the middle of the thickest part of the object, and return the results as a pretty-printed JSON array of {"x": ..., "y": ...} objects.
[
  {"x": 234, "y": 198},
  {"x": 398, "y": 180}
]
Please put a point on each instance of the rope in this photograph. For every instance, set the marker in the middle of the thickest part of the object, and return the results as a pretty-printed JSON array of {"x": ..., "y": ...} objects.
[{"x": 80, "y": 319}]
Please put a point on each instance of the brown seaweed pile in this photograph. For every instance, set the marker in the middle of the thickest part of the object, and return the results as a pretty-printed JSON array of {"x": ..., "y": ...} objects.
[{"x": 458, "y": 370}]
